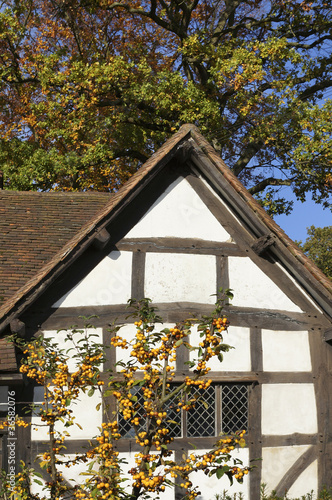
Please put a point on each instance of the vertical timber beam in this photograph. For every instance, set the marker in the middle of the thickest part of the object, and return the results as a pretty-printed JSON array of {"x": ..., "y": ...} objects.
[
  {"x": 322, "y": 382},
  {"x": 222, "y": 272},
  {"x": 138, "y": 275},
  {"x": 255, "y": 415}
]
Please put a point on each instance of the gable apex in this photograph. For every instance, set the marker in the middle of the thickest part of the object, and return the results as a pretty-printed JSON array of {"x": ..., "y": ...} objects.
[
  {"x": 185, "y": 146},
  {"x": 179, "y": 212}
]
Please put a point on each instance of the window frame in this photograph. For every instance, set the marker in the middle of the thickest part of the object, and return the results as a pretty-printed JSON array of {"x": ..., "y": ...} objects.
[{"x": 218, "y": 418}]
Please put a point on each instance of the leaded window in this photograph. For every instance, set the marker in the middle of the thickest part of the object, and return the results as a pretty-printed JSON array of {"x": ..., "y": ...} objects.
[{"x": 220, "y": 408}]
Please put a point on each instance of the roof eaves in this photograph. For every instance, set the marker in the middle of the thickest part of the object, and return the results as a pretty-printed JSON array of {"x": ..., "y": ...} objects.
[{"x": 16, "y": 304}]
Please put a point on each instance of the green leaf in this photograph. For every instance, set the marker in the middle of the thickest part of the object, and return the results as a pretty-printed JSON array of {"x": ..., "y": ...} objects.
[{"x": 219, "y": 473}]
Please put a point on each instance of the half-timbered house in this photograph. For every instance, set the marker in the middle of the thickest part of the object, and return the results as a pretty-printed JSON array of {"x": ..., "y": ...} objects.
[{"x": 182, "y": 227}]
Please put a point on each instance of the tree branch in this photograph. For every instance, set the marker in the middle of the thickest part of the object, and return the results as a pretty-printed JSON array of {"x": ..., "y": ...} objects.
[
  {"x": 270, "y": 181},
  {"x": 315, "y": 88},
  {"x": 245, "y": 158},
  {"x": 132, "y": 153}
]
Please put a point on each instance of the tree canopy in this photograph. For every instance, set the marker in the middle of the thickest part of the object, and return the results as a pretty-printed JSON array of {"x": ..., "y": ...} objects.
[
  {"x": 318, "y": 246},
  {"x": 90, "y": 88}
]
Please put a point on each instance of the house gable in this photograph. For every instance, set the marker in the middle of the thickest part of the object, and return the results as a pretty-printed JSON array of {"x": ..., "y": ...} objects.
[
  {"x": 186, "y": 218},
  {"x": 177, "y": 233}
]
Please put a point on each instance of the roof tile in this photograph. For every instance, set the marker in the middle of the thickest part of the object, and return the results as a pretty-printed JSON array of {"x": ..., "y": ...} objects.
[{"x": 35, "y": 226}]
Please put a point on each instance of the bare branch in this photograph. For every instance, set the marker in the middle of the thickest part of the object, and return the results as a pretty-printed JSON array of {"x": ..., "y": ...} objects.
[
  {"x": 130, "y": 153},
  {"x": 270, "y": 181},
  {"x": 251, "y": 150}
]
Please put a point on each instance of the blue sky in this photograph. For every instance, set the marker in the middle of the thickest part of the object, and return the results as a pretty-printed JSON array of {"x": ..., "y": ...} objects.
[{"x": 304, "y": 215}]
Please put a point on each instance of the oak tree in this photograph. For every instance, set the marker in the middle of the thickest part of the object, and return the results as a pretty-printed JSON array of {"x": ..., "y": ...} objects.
[
  {"x": 90, "y": 88},
  {"x": 318, "y": 246}
]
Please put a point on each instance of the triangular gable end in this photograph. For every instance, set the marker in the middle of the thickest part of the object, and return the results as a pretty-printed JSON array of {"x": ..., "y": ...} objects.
[
  {"x": 191, "y": 245},
  {"x": 187, "y": 147}
]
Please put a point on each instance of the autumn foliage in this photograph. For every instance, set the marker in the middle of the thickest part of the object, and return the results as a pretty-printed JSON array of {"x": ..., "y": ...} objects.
[{"x": 90, "y": 88}]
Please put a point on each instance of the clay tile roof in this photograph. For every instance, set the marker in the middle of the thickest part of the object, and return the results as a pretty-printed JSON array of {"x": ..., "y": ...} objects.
[
  {"x": 7, "y": 358},
  {"x": 34, "y": 227}
]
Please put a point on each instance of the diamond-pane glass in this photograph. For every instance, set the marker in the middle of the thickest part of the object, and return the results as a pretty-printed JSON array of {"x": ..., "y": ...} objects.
[
  {"x": 234, "y": 408},
  {"x": 201, "y": 419},
  {"x": 173, "y": 420},
  {"x": 125, "y": 428}
]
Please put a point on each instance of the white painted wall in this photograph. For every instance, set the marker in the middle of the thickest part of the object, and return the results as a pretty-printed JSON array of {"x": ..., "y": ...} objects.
[
  {"x": 237, "y": 359},
  {"x": 306, "y": 482},
  {"x": 60, "y": 338},
  {"x": 210, "y": 486},
  {"x": 276, "y": 461},
  {"x": 179, "y": 212},
  {"x": 84, "y": 410},
  {"x": 128, "y": 332},
  {"x": 253, "y": 288},
  {"x": 288, "y": 408},
  {"x": 296, "y": 283},
  {"x": 286, "y": 351},
  {"x": 75, "y": 473},
  {"x": 108, "y": 283},
  {"x": 180, "y": 277}
]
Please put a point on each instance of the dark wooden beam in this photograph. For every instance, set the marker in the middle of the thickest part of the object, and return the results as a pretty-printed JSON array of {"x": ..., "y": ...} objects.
[
  {"x": 101, "y": 239},
  {"x": 262, "y": 244},
  {"x": 328, "y": 336},
  {"x": 295, "y": 439},
  {"x": 17, "y": 327},
  {"x": 180, "y": 245},
  {"x": 297, "y": 468},
  {"x": 174, "y": 312}
]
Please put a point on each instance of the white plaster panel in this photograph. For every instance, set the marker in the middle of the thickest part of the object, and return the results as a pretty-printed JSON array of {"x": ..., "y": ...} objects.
[
  {"x": 288, "y": 408},
  {"x": 286, "y": 351},
  {"x": 180, "y": 277},
  {"x": 306, "y": 482},
  {"x": 211, "y": 486},
  {"x": 84, "y": 410},
  {"x": 276, "y": 461},
  {"x": 59, "y": 338},
  {"x": 72, "y": 474},
  {"x": 108, "y": 283},
  {"x": 75, "y": 474},
  {"x": 297, "y": 284},
  {"x": 127, "y": 332},
  {"x": 38, "y": 489},
  {"x": 237, "y": 359},
  {"x": 130, "y": 463},
  {"x": 179, "y": 212},
  {"x": 253, "y": 288},
  {"x": 217, "y": 193}
]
